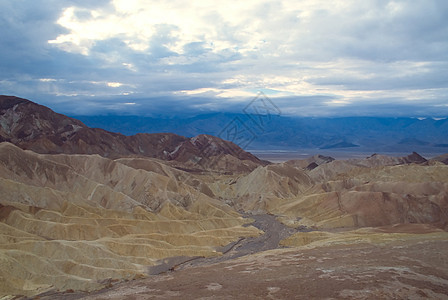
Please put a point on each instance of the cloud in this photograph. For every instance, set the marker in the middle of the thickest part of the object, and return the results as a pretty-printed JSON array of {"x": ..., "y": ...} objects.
[{"x": 313, "y": 57}]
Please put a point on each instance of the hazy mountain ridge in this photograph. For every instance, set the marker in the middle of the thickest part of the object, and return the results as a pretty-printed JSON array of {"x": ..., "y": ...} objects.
[{"x": 283, "y": 132}]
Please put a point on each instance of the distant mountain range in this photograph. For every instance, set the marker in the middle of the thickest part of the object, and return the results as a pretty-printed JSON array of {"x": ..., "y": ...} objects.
[
  {"x": 33, "y": 127},
  {"x": 368, "y": 134}
]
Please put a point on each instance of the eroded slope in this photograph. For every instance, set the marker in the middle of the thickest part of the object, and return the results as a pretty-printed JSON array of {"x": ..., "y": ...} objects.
[{"x": 74, "y": 222}]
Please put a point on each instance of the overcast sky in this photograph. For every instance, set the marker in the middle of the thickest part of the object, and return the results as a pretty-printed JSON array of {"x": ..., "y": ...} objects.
[{"x": 310, "y": 57}]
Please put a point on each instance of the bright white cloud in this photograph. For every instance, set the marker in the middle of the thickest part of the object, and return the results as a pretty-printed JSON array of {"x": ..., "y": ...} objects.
[
  {"x": 114, "y": 84},
  {"x": 221, "y": 93},
  {"x": 222, "y": 25}
]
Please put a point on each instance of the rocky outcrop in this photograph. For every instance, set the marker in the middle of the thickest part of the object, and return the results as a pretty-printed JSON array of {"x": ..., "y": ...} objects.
[{"x": 442, "y": 158}]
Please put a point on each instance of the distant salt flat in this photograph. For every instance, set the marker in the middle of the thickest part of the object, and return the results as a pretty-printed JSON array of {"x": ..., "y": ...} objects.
[{"x": 279, "y": 155}]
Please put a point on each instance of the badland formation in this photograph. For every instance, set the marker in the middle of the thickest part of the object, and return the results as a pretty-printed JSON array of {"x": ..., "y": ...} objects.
[{"x": 87, "y": 213}]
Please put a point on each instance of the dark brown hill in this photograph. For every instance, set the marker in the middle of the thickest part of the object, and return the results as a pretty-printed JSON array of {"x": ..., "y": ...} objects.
[
  {"x": 311, "y": 162},
  {"x": 35, "y": 127}
]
